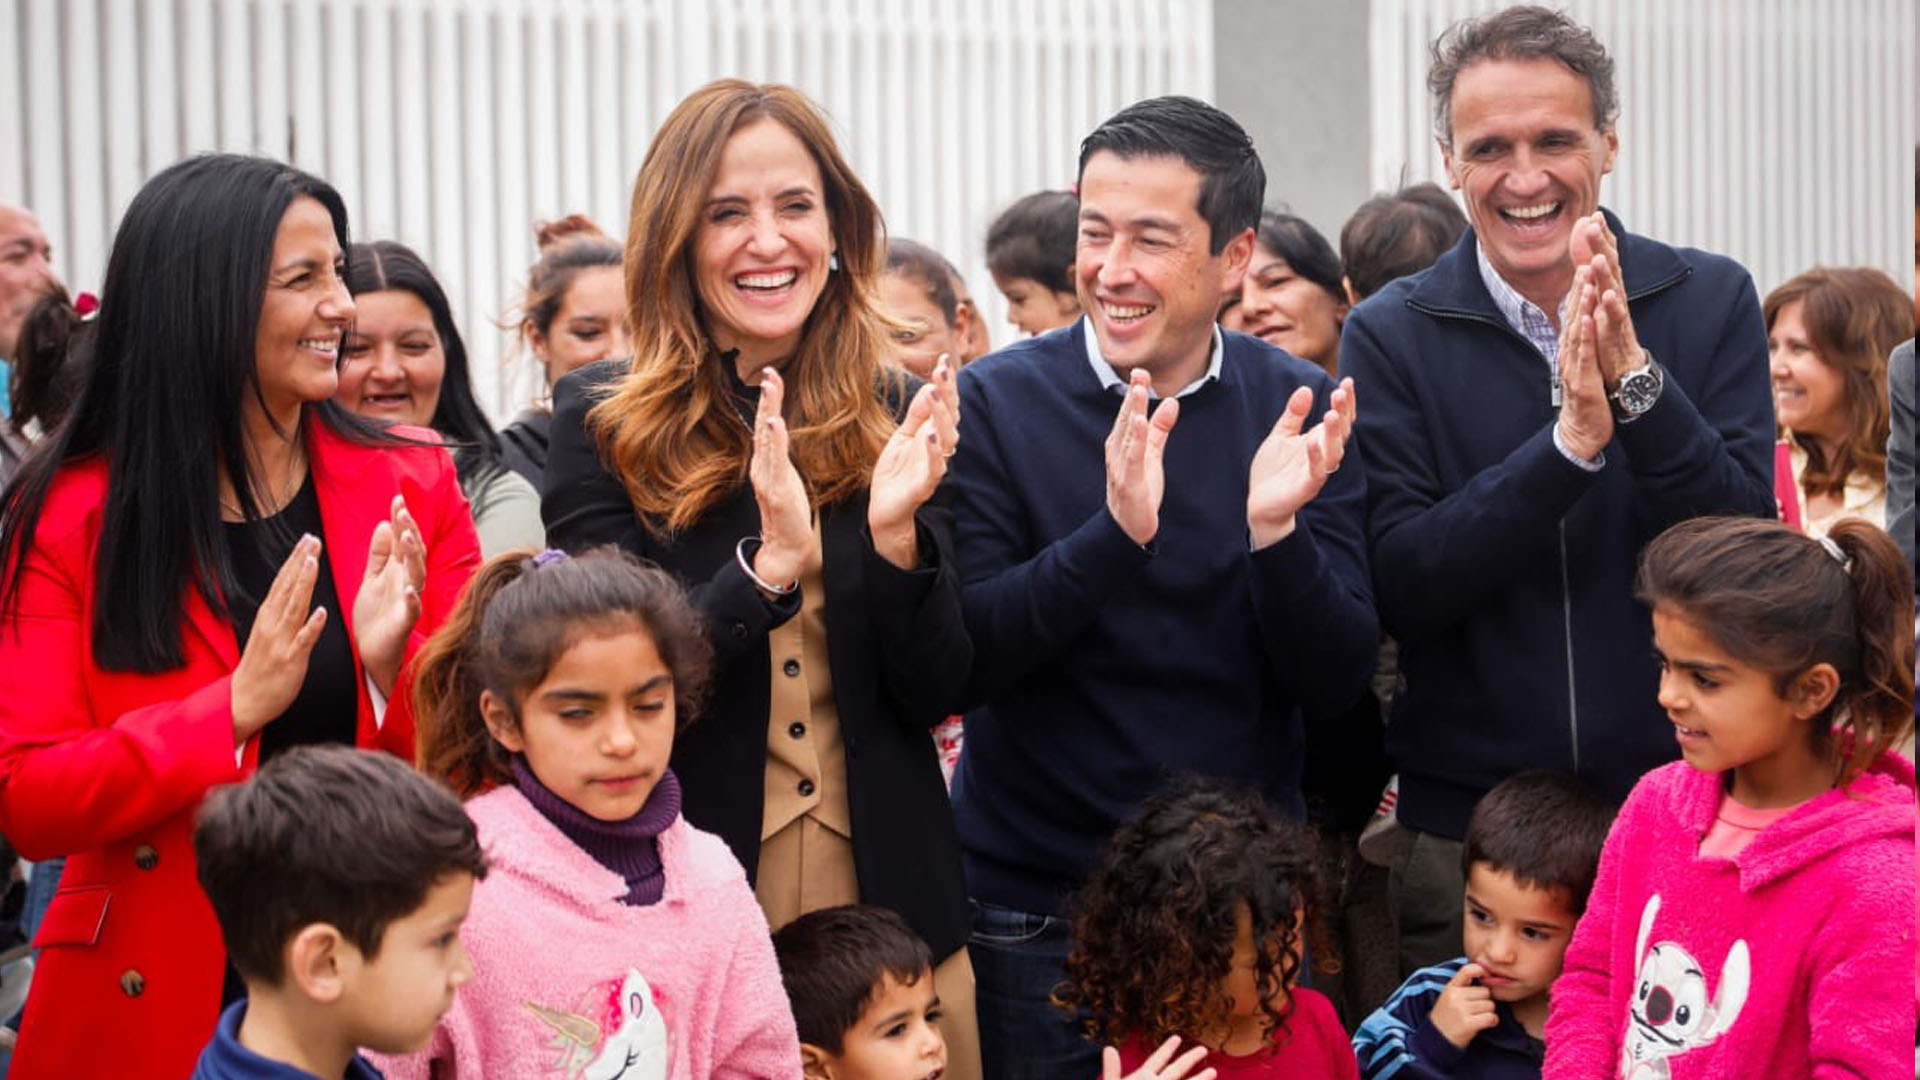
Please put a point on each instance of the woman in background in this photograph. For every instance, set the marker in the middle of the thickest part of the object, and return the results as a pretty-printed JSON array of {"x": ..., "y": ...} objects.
[
  {"x": 403, "y": 362},
  {"x": 572, "y": 314},
  {"x": 1829, "y": 332}
]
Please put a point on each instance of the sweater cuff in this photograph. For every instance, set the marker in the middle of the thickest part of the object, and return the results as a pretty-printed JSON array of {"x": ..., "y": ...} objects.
[
  {"x": 1546, "y": 478},
  {"x": 1289, "y": 568},
  {"x": 1433, "y": 1048},
  {"x": 1101, "y": 546},
  {"x": 1664, "y": 430}
]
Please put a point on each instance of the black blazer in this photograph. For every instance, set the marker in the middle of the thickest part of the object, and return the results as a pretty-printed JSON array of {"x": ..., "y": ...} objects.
[{"x": 896, "y": 644}]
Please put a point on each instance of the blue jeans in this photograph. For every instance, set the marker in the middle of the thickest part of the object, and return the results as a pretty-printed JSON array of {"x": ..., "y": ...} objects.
[{"x": 1018, "y": 959}]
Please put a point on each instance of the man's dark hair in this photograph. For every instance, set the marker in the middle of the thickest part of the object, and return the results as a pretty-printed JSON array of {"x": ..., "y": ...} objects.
[
  {"x": 835, "y": 960},
  {"x": 326, "y": 834},
  {"x": 1526, "y": 32},
  {"x": 1545, "y": 828},
  {"x": 1035, "y": 239},
  {"x": 1391, "y": 236},
  {"x": 1213, "y": 144}
]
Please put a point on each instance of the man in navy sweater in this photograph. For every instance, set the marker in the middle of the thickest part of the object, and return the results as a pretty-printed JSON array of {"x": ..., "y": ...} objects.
[
  {"x": 1541, "y": 403},
  {"x": 1181, "y": 617}
]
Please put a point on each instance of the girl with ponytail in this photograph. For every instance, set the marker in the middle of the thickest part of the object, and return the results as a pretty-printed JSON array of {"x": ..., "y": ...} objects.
[{"x": 1754, "y": 910}]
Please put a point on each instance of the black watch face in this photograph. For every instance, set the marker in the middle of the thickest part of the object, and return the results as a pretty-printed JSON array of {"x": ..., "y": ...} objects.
[{"x": 1636, "y": 392}]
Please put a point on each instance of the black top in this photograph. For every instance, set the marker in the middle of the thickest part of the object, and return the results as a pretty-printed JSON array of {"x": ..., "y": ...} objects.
[
  {"x": 327, "y": 709},
  {"x": 896, "y": 646},
  {"x": 523, "y": 444}
]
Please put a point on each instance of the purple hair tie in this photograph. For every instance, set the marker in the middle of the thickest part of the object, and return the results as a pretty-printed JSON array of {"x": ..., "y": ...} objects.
[{"x": 551, "y": 555}]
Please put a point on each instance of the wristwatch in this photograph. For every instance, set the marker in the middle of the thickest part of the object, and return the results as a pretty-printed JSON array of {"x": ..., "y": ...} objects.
[{"x": 1638, "y": 390}]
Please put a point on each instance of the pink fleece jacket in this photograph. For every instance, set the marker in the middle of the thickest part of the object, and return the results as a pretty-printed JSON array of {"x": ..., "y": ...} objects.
[
  {"x": 1790, "y": 960},
  {"x": 569, "y": 982}
]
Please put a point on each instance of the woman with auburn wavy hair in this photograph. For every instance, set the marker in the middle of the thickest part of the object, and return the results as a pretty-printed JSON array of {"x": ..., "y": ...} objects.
[
  {"x": 758, "y": 446},
  {"x": 1829, "y": 332}
]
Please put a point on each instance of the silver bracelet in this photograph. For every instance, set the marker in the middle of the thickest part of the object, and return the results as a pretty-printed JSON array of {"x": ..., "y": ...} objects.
[{"x": 746, "y": 567}]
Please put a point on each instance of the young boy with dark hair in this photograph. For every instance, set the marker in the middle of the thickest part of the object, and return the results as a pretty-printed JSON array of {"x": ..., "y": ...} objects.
[
  {"x": 340, "y": 879},
  {"x": 861, "y": 986},
  {"x": 1532, "y": 848}
]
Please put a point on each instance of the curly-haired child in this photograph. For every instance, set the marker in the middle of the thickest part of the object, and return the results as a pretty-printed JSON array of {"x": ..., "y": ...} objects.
[{"x": 1194, "y": 925}]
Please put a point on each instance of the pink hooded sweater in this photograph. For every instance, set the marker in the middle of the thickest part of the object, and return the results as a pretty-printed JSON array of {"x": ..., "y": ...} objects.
[
  {"x": 1792, "y": 959},
  {"x": 568, "y": 982}
]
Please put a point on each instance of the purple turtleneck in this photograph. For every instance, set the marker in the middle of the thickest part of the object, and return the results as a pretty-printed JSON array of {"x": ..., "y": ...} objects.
[{"x": 630, "y": 848}]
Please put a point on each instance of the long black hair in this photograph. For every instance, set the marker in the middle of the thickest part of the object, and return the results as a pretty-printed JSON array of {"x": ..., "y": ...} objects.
[
  {"x": 388, "y": 264},
  {"x": 171, "y": 362}
]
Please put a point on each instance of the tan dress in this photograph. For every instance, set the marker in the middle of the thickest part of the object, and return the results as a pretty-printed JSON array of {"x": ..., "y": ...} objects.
[{"x": 806, "y": 831}]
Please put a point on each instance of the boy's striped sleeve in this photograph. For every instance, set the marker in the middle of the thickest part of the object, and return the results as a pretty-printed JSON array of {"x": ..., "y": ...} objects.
[{"x": 1392, "y": 1045}]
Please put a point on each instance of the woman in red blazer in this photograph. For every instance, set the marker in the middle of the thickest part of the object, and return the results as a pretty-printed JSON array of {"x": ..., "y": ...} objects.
[{"x": 206, "y": 562}]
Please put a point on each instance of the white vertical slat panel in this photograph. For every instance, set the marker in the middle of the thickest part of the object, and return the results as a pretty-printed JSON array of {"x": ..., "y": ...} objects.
[
  {"x": 47, "y": 192},
  {"x": 479, "y": 291},
  {"x": 269, "y": 45},
  {"x": 612, "y": 169},
  {"x": 545, "y": 144},
  {"x": 380, "y": 178},
  {"x": 234, "y": 42},
  {"x": 198, "y": 72},
  {"x": 577, "y": 131},
  {"x": 442, "y": 84},
  {"x": 13, "y": 107},
  {"x": 1778, "y": 132},
  {"x": 120, "y": 27},
  {"x": 453, "y": 125},
  {"x": 307, "y": 108},
  {"x": 341, "y": 59},
  {"x": 84, "y": 138}
]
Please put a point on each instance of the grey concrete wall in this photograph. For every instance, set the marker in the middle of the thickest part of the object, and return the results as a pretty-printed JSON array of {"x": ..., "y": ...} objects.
[{"x": 1294, "y": 73}]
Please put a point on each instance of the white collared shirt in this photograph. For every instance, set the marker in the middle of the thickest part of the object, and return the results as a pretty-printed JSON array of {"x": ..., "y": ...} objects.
[{"x": 1110, "y": 380}]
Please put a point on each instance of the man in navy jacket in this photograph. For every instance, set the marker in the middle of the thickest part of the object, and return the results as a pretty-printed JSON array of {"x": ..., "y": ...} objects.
[
  {"x": 1521, "y": 453},
  {"x": 1183, "y": 615}
]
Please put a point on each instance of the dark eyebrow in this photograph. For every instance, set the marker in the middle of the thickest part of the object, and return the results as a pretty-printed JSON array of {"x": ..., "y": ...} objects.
[
  {"x": 654, "y": 683},
  {"x": 566, "y": 694},
  {"x": 892, "y": 1019},
  {"x": 1692, "y": 665},
  {"x": 305, "y": 262},
  {"x": 784, "y": 193}
]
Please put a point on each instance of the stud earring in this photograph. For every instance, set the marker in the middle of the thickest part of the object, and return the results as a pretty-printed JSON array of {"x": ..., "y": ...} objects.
[{"x": 833, "y": 261}]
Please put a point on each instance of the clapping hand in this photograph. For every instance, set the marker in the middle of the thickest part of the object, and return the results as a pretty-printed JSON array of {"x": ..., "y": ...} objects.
[
  {"x": 1160, "y": 1065},
  {"x": 1465, "y": 1008},
  {"x": 1136, "y": 480},
  {"x": 1586, "y": 420},
  {"x": 911, "y": 466},
  {"x": 1292, "y": 465},
  {"x": 388, "y": 603},
  {"x": 273, "y": 666},
  {"x": 786, "y": 515},
  {"x": 1593, "y": 245}
]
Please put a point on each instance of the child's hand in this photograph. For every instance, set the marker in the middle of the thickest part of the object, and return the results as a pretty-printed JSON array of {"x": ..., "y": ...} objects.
[
  {"x": 1464, "y": 1009},
  {"x": 1156, "y": 1067}
]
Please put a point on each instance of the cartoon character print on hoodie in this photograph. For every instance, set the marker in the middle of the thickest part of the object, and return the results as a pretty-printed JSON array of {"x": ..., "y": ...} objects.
[
  {"x": 1670, "y": 1012},
  {"x": 615, "y": 1031}
]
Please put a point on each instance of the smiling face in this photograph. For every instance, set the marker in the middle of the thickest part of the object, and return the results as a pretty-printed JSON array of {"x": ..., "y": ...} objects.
[
  {"x": 304, "y": 313},
  {"x": 590, "y": 325},
  {"x": 894, "y": 1039},
  {"x": 1145, "y": 276},
  {"x": 391, "y": 362},
  {"x": 1809, "y": 395},
  {"x": 1729, "y": 715},
  {"x": 1282, "y": 308},
  {"x": 395, "y": 999},
  {"x": 1516, "y": 932},
  {"x": 1529, "y": 159},
  {"x": 598, "y": 730},
  {"x": 760, "y": 251}
]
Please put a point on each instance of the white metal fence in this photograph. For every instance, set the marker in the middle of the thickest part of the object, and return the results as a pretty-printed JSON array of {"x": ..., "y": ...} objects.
[
  {"x": 1780, "y": 132},
  {"x": 452, "y": 125}
]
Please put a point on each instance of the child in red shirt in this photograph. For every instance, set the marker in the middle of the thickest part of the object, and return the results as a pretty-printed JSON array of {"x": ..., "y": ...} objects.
[{"x": 1193, "y": 925}]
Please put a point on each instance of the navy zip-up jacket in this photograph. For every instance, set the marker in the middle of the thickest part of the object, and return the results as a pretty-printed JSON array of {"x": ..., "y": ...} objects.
[
  {"x": 1100, "y": 667},
  {"x": 1400, "y": 1042},
  {"x": 1506, "y": 571}
]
